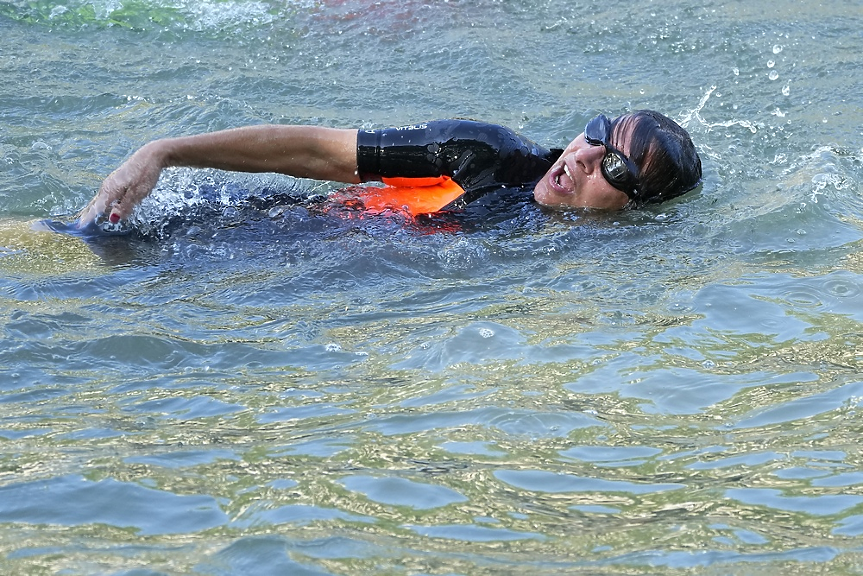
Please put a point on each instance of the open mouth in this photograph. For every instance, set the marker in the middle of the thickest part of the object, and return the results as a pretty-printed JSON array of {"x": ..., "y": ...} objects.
[{"x": 562, "y": 181}]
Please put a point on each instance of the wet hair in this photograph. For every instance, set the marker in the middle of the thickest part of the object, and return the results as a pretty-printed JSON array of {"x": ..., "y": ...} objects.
[{"x": 667, "y": 161}]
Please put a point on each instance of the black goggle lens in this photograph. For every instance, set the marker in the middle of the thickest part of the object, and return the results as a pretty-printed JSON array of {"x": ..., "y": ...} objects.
[
  {"x": 617, "y": 169},
  {"x": 597, "y": 130}
]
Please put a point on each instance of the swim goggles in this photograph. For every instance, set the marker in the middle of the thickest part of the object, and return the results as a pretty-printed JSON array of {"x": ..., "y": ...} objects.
[{"x": 617, "y": 169}]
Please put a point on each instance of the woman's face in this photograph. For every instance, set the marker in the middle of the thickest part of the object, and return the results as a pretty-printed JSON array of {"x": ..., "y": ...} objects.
[{"x": 576, "y": 181}]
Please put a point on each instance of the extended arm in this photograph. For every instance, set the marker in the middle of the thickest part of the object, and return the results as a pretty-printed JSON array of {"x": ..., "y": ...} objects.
[{"x": 300, "y": 151}]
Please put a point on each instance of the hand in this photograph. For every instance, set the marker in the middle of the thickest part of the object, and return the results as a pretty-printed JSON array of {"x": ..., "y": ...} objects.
[{"x": 124, "y": 188}]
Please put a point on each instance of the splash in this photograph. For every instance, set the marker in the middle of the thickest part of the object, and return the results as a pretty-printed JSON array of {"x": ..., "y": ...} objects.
[
  {"x": 182, "y": 193},
  {"x": 231, "y": 17},
  {"x": 696, "y": 114},
  {"x": 822, "y": 171}
]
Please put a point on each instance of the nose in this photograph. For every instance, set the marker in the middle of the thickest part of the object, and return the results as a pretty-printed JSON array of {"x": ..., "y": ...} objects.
[{"x": 589, "y": 157}]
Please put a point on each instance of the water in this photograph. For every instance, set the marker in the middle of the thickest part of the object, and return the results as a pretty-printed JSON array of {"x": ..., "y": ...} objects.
[{"x": 233, "y": 390}]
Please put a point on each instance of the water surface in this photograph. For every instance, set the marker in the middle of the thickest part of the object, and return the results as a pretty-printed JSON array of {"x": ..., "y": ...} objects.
[{"x": 238, "y": 389}]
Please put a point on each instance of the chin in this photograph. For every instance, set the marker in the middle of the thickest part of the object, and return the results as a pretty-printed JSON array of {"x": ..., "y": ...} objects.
[
  {"x": 544, "y": 197},
  {"x": 549, "y": 199}
]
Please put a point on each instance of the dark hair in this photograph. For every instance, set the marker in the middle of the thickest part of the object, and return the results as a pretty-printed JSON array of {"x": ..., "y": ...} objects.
[{"x": 667, "y": 161}]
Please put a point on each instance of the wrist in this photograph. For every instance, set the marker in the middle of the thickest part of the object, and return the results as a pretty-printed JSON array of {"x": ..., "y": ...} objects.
[{"x": 157, "y": 153}]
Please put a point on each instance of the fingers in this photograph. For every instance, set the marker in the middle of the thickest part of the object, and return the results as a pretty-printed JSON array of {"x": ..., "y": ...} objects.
[
  {"x": 115, "y": 199},
  {"x": 122, "y": 207},
  {"x": 110, "y": 201},
  {"x": 125, "y": 187},
  {"x": 123, "y": 194},
  {"x": 92, "y": 211}
]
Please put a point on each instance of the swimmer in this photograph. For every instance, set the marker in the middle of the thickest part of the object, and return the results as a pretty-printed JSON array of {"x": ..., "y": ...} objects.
[{"x": 636, "y": 159}]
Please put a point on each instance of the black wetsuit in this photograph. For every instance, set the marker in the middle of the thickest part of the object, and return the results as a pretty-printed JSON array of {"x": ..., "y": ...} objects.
[{"x": 479, "y": 157}]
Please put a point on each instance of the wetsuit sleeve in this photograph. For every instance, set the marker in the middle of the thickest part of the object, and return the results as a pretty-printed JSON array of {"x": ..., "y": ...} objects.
[{"x": 476, "y": 155}]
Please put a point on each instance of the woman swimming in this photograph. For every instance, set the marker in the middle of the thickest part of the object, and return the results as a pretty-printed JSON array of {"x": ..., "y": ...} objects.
[{"x": 637, "y": 158}]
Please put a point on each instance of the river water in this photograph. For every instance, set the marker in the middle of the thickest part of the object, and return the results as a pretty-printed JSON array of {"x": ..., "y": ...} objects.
[{"x": 232, "y": 389}]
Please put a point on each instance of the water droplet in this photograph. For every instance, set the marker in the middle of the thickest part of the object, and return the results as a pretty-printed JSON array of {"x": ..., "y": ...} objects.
[
  {"x": 786, "y": 90},
  {"x": 773, "y": 75},
  {"x": 777, "y": 48},
  {"x": 736, "y": 71},
  {"x": 771, "y": 63},
  {"x": 486, "y": 333}
]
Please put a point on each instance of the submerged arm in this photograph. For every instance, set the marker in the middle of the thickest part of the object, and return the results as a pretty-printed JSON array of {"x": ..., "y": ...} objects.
[{"x": 300, "y": 151}]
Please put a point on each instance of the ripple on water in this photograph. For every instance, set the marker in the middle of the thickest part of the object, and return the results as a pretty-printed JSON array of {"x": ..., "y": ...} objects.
[
  {"x": 76, "y": 501},
  {"x": 183, "y": 458},
  {"x": 524, "y": 423},
  {"x": 264, "y": 513},
  {"x": 260, "y": 391},
  {"x": 472, "y": 533},
  {"x": 402, "y": 492},
  {"x": 820, "y": 505},
  {"x": 804, "y": 407}
]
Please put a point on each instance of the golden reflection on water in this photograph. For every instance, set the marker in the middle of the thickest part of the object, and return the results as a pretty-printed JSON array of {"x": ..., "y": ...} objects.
[
  {"x": 26, "y": 249},
  {"x": 854, "y": 260}
]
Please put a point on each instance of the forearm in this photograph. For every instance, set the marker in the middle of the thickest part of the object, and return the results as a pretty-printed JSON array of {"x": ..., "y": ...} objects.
[{"x": 300, "y": 151}]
